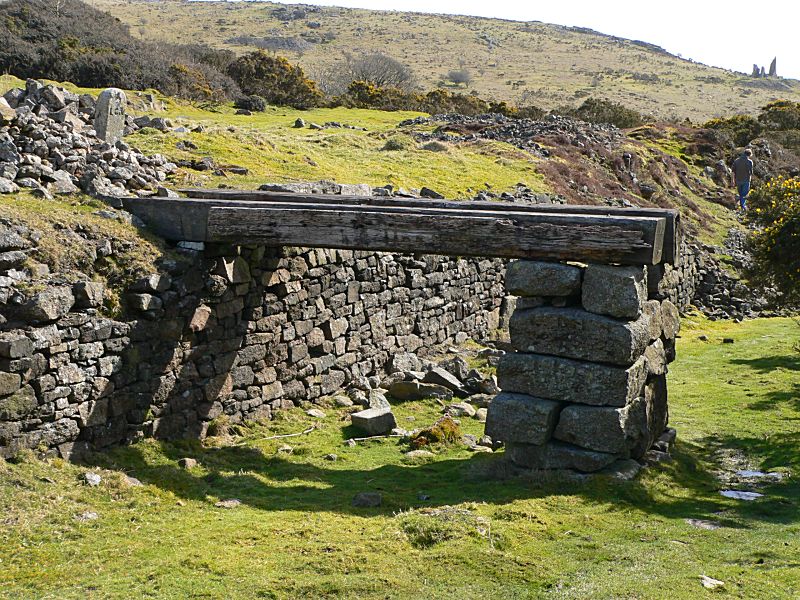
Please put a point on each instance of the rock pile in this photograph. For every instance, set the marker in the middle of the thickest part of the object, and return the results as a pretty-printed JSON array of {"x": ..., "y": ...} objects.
[
  {"x": 522, "y": 133},
  {"x": 587, "y": 385},
  {"x": 48, "y": 144}
]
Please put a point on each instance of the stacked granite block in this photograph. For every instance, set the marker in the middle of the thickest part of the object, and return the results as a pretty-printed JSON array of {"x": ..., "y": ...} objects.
[{"x": 587, "y": 384}]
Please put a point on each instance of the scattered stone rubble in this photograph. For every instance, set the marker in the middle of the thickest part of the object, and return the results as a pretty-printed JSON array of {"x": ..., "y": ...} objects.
[
  {"x": 48, "y": 144},
  {"x": 521, "y": 133}
]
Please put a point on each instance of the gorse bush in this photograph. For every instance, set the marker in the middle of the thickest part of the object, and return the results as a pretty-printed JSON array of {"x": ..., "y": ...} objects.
[
  {"x": 597, "y": 110},
  {"x": 775, "y": 242},
  {"x": 275, "y": 79},
  {"x": 251, "y": 103},
  {"x": 71, "y": 41},
  {"x": 742, "y": 128}
]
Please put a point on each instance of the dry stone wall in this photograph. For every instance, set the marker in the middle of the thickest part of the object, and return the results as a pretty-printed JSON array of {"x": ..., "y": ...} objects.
[
  {"x": 586, "y": 387},
  {"x": 241, "y": 332}
]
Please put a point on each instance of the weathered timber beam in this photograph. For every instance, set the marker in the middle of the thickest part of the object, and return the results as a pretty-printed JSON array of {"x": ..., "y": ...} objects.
[
  {"x": 186, "y": 219},
  {"x": 635, "y": 240},
  {"x": 672, "y": 230}
]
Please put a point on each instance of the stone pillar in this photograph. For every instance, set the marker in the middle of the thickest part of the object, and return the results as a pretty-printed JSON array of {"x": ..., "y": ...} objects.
[
  {"x": 109, "y": 115},
  {"x": 586, "y": 386}
]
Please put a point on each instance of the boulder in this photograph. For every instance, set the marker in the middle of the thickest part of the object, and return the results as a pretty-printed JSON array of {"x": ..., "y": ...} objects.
[
  {"x": 7, "y": 113},
  {"x": 13, "y": 346},
  {"x": 521, "y": 418},
  {"x": 402, "y": 362},
  {"x": 535, "y": 278},
  {"x": 439, "y": 376},
  {"x": 615, "y": 291},
  {"x": 7, "y": 186}
]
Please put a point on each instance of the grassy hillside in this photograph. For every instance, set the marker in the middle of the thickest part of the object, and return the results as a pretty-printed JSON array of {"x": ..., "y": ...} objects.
[
  {"x": 553, "y": 65},
  {"x": 443, "y": 531}
]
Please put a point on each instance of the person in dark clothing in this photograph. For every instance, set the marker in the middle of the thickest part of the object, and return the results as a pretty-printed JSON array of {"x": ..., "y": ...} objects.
[{"x": 742, "y": 174}]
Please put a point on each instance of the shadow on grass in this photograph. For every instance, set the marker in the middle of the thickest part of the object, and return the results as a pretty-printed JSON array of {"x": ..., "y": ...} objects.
[
  {"x": 767, "y": 364},
  {"x": 683, "y": 488}
]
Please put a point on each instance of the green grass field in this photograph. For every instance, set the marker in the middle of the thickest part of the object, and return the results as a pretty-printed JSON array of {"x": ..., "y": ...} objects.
[{"x": 445, "y": 530}]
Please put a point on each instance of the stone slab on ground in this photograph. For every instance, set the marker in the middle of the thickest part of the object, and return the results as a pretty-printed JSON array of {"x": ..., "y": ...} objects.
[
  {"x": 374, "y": 421},
  {"x": 521, "y": 418},
  {"x": 569, "y": 380},
  {"x": 575, "y": 333}
]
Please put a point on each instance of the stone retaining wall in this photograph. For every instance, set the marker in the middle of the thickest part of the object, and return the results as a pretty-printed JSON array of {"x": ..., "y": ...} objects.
[
  {"x": 586, "y": 386},
  {"x": 240, "y": 333}
]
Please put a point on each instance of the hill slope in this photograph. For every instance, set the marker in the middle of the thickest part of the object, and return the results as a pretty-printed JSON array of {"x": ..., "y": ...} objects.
[{"x": 550, "y": 64}]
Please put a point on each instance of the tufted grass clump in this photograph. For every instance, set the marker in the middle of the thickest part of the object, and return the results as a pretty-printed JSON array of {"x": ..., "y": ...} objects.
[
  {"x": 427, "y": 527},
  {"x": 396, "y": 143}
]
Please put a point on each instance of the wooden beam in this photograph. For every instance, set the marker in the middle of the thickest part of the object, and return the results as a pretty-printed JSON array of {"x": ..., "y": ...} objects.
[
  {"x": 187, "y": 219},
  {"x": 587, "y": 238},
  {"x": 672, "y": 232}
]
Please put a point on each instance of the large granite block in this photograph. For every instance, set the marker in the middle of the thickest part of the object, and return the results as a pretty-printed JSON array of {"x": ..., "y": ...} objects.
[
  {"x": 521, "y": 418},
  {"x": 604, "y": 429},
  {"x": 575, "y": 333},
  {"x": 556, "y": 455},
  {"x": 534, "y": 278},
  {"x": 615, "y": 291},
  {"x": 568, "y": 380}
]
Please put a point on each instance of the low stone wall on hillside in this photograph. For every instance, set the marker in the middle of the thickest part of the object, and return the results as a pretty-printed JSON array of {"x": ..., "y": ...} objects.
[{"x": 241, "y": 332}]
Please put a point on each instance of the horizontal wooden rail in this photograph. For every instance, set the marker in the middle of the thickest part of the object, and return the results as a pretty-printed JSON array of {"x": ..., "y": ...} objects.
[
  {"x": 672, "y": 231},
  {"x": 533, "y": 235}
]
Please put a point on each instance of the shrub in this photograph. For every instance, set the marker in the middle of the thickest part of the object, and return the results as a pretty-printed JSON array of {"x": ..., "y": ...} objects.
[
  {"x": 396, "y": 143},
  {"x": 71, "y": 41},
  {"x": 775, "y": 211},
  {"x": 743, "y": 128},
  {"x": 460, "y": 76},
  {"x": 275, "y": 79},
  {"x": 780, "y": 115},
  {"x": 595, "y": 110},
  {"x": 252, "y": 103}
]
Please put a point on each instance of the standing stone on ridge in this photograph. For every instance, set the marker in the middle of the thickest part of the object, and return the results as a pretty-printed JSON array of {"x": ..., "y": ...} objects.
[
  {"x": 615, "y": 291},
  {"x": 109, "y": 115}
]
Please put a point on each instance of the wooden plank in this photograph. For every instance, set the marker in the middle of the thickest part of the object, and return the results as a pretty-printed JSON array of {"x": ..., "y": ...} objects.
[
  {"x": 589, "y": 238},
  {"x": 672, "y": 231}
]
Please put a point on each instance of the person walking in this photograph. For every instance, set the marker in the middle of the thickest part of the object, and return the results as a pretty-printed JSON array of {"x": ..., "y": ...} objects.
[{"x": 742, "y": 174}]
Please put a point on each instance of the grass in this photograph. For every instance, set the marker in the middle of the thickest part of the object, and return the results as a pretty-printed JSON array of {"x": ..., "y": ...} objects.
[
  {"x": 70, "y": 232},
  {"x": 269, "y": 146},
  {"x": 504, "y": 57},
  {"x": 444, "y": 530}
]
